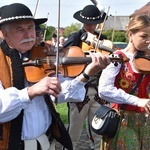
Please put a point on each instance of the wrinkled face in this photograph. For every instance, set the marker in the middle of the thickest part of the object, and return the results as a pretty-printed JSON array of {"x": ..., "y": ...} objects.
[
  {"x": 90, "y": 27},
  {"x": 20, "y": 35},
  {"x": 141, "y": 39}
]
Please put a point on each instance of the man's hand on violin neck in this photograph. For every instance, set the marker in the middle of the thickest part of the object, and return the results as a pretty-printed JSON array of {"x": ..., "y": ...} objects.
[
  {"x": 99, "y": 62},
  {"x": 48, "y": 85}
]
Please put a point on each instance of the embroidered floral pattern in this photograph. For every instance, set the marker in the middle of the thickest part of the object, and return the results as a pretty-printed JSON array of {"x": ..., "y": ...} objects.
[
  {"x": 130, "y": 77},
  {"x": 127, "y": 137},
  {"x": 124, "y": 83}
]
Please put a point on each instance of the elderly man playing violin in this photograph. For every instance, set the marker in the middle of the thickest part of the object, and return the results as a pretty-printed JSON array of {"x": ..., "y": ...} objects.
[
  {"x": 90, "y": 16},
  {"x": 24, "y": 115}
]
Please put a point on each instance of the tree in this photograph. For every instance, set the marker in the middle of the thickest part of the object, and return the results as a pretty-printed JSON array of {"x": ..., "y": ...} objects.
[
  {"x": 73, "y": 28},
  {"x": 119, "y": 36}
]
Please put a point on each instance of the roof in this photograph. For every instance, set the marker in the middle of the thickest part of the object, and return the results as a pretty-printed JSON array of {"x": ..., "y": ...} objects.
[
  {"x": 120, "y": 22},
  {"x": 143, "y": 10},
  {"x": 116, "y": 22}
]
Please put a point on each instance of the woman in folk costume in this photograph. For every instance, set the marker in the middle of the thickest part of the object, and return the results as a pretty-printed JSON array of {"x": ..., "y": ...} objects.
[{"x": 116, "y": 84}]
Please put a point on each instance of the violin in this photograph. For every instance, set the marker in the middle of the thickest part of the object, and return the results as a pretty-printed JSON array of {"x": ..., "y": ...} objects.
[
  {"x": 142, "y": 61},
  {"x": 72, "y": 61},
  {"x": 40, "y": 64},
  {"x": 90, "y": 40}
]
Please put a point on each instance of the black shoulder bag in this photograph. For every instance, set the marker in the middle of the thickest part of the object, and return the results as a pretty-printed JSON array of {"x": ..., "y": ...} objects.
[{"x": 106, "y": 119}]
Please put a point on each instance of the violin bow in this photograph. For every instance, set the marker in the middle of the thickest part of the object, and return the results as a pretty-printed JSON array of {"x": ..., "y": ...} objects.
[
  {"x": 100, "y": 7},
  {"x": 45, "y": 28},
  {"x": 58, "y": 28},
  {"x": 96, "y": 4},
  {"x": 37, "y": 3},
  {"x": 100, "y": 33},
  {"x": 57, "y": 52}
]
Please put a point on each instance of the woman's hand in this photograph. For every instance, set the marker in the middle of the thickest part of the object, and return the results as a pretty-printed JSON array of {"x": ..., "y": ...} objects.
[{"x": 145, "y": 103}]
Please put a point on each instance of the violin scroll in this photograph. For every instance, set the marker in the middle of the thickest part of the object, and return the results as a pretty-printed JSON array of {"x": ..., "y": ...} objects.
[{"x": 118, "y": 58}]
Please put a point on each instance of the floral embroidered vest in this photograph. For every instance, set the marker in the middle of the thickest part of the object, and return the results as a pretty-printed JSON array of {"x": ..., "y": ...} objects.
[{"x": 127, "y": 79}]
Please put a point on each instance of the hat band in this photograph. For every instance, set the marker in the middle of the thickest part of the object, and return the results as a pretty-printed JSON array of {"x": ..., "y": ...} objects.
[
  {"x": 15, "y": 18},
  {"x": 89, "y": 18}
]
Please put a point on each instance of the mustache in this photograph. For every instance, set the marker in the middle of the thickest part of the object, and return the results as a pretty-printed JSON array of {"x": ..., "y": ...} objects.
[{"x": 27, "y": 40}]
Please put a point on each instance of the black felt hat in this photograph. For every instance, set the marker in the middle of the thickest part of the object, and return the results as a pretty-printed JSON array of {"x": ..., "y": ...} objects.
[
  {"x": 38, "y": 28},
  {"x": 1, "y": 9},
  {"x": 90, "y": 15},
  {"x": 54, "y": 36},
  {"x": 18, "y": 11}
]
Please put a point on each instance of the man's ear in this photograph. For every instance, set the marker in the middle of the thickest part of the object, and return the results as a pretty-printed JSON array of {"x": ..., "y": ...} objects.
[{"x": 4, "y": 32}]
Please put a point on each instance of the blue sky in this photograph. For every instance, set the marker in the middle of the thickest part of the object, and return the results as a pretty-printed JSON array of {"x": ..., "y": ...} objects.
[{"x": 49, "y": 8}]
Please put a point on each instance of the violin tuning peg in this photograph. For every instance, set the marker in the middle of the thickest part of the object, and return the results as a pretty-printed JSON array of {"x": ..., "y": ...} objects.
[
  {"x": 120, "y": 56},
  {"x": 88, "y": 42},
  {"x": 116, "y": 64}
]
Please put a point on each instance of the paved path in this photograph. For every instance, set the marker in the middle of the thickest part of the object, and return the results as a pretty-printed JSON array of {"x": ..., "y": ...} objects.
[{"x": 83, "y": 143}]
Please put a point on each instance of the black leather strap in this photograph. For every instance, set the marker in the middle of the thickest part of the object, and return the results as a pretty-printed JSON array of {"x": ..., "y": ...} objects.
[{"x": 86, "y": 76}]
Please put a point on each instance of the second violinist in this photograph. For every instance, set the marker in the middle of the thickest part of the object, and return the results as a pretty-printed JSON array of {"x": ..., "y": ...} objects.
[{"x": 90, "y": 16}]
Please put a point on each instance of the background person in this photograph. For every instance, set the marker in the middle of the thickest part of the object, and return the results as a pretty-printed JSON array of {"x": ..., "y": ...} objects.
[
  {"x": 117, "y": 82},
  {"x": 61, "y": 41},
  {"x": 90, "y": 16},
  {"x": 39, "y": 35},
  {"x": 54, "y": 42}
]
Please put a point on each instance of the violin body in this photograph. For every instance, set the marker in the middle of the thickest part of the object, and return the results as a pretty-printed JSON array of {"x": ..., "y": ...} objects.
[
  {"x": 76, "y": 64},
  {"x": 37, "y": 70},
  {"x": 142, "y": 61},
  {"x": 40, "y": 64},
  {"x": 91, "y": 43}
]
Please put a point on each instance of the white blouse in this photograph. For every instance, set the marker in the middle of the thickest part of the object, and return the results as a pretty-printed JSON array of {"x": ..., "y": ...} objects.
[{"x": 108, "y": 91}]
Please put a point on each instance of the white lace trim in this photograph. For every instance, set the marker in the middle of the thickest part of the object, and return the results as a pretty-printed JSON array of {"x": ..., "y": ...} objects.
[
  {"x": 90, "y": 18},
  {"x": 16, "y": 18}
]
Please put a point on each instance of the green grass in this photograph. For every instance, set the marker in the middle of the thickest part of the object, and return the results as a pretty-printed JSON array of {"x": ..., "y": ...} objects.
[{"x": 62, "y": 109}]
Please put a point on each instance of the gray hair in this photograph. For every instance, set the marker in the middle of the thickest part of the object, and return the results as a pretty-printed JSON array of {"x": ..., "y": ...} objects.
[{"x": 5, "y": 26}]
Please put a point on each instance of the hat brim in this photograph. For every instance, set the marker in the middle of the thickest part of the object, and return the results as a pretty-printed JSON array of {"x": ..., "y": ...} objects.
[
  {"x": 36, "y": 21},
  {"x": 39, "y": 29},
  {"x": 83, "y": 20},
  {"x": 40, "y": 21}
]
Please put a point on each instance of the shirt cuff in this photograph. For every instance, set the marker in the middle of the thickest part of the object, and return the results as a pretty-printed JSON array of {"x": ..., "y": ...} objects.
[
  {"x": 78, "y": 83},
  {"x": 24, "y": 97},
  {"x": 132, "y": 100}
]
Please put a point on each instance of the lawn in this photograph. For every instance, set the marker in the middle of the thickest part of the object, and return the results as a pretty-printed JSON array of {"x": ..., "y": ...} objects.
[{"x": 63, "y": 110}]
